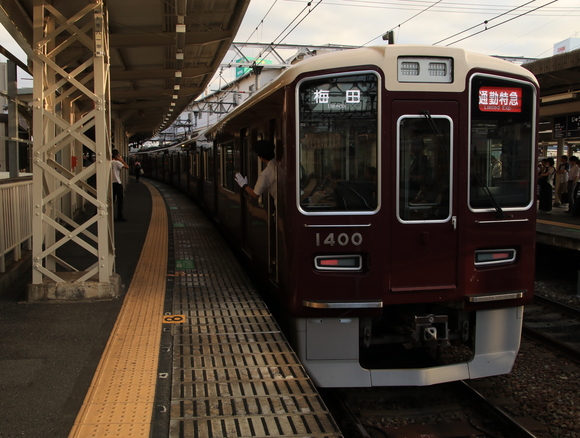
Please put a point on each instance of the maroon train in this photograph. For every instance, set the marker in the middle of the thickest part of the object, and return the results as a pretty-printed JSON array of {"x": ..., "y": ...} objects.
[{"x": 401, "y": 243}]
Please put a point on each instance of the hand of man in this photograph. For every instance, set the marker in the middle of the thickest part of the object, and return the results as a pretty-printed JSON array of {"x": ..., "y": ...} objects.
[{"x": 241, "y": 180}]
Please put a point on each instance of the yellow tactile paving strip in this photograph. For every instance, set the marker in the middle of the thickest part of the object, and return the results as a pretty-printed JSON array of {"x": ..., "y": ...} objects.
[
  {"x": 119, "y": 402},
  {"x": 559, "y": 224}
]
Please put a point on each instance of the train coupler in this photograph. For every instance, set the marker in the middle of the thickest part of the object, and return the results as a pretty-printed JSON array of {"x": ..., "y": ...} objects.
[{"x": 429, "y": 331}]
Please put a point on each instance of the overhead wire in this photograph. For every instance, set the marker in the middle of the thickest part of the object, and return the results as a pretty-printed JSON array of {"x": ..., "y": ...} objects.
[
  {"x": 406, "y": 21},
  {"x": 503, "y": 22},
  {"x": 300, "y": 17},
  {"x": 447, "y": 7},
  {"x": 485, "y": 22},
  {"x": 261, "y": 22},
  {"x": 273, "y": 44}
]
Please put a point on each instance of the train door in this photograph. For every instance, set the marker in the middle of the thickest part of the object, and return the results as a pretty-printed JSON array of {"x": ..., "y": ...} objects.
[{"x": 423, "y": 249}]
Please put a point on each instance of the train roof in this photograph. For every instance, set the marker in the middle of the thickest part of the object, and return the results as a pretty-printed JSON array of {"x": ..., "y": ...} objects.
[{"x": 385, "y": 57}]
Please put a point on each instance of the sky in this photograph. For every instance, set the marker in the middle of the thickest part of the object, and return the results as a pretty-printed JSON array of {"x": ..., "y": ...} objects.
[
  {"x": 518, "y": 28},
  {"x": 531, "y": 28}
]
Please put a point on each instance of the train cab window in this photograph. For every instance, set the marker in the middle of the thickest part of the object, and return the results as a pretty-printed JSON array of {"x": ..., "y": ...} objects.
[
  {"x": 338, "y": 151},
  {"x": 501, "y": 143},
  {"x": 424, "y": 163}
]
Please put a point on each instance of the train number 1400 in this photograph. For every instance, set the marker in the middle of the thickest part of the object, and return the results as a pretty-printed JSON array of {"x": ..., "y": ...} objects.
[{"x": 342, "y": 239}]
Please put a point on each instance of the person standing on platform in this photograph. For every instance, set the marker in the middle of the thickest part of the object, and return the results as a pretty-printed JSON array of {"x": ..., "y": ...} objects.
[
  {"x": 117, "y": 163},
  {"x": 546, "y": 181},
  {"x": 264, "y": 149},
  {"x": 137, "y": 168},
  {"x": 562, "y": 182},
  {"x": 573, "y": 177}
]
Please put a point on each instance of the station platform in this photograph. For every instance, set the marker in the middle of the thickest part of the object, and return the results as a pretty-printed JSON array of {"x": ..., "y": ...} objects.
[
  {"x": 189, "y": 350},
  {"x": 558, "y": 228}
]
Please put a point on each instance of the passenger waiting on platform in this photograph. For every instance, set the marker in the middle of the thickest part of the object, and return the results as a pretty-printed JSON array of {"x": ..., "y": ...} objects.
[
  {"x": 137, "y": 168},
  {"x": 117, "y": 163},
  {"x": 264, "y": 149},
  {"x": 562, "y": 182},
  {"x": 546, "y": 182},
  {"x": 573, "y": 177}
]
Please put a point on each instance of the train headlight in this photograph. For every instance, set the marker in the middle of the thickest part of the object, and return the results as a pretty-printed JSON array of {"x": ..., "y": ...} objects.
[
  {"x": 492, "y": 257},
  {"x": 338, "y": 262}
]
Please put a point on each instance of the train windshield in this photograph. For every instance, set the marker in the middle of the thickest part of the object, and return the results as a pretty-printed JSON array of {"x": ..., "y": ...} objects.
[
  {"x": 338, "y": 148},
  {"x": 424, "y": 156},
  {"x": 501, "y": 143}
]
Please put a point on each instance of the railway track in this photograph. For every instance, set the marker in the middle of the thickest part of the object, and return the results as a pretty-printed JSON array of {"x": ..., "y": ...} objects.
[
  {"x": 444, "y": 411},
  {"x": 554, "y": 325}
]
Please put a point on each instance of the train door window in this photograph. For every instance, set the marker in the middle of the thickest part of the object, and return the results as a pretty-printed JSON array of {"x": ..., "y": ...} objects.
[
  {"x": 193, "y": 157},
  {"x": 204, "y": 164},
  {"x": 208, "y": 162},
  {"x": 211, "y": 164},
  {"x": 338, "y": 151},
  {"x": 198, "y": 162},
  {"x": 227, "y": 165},
  {"x": 502, "y": 117},
  {"x": 424, "y": 163},
  {"x": 250, "y": 160}
]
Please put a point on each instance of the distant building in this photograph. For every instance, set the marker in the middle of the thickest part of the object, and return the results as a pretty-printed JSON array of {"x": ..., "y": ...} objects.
[{"x": 567, "y": 45}]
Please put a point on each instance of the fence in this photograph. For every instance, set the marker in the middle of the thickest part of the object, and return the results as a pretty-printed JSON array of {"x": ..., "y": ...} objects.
[{"x": 15, "y": 219}]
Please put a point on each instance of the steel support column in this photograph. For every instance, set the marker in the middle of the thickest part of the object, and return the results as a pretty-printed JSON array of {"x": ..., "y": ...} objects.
[{"x": 71, "y": 111}]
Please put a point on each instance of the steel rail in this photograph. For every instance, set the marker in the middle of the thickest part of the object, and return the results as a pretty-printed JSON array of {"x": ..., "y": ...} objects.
[{"x": 515, "y": 429}]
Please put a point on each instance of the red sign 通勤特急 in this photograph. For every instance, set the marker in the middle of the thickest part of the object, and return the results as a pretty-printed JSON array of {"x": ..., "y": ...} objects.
[{"x": 500, "y": 99}]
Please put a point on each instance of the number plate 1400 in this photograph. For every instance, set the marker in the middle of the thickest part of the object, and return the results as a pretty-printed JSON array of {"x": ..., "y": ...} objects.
[{"x": 341, "y": 239}]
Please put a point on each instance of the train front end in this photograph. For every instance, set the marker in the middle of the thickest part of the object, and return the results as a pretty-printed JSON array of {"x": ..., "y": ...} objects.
[{"x": 412, "y": 248}]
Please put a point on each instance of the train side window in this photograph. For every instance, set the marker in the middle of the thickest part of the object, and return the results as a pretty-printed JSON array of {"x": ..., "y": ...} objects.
[
  {"x": 502, "y": 117},
  {"x": 424, "y": 163},
  {"x": 227, "y": 165},
  {"x": 338, "y": 153}
]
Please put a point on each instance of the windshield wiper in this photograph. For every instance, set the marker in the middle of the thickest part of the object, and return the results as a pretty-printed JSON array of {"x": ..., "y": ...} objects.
[
  {"x": 485, "y": 188},
  {"x": 478, "y": 178}
]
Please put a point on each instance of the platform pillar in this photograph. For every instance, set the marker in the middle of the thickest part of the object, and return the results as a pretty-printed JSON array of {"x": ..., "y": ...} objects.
[{"x": 71, "y": 113}]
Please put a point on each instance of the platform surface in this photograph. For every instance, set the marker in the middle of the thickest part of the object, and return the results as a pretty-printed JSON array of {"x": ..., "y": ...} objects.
[{"x": 189, "y": 350}]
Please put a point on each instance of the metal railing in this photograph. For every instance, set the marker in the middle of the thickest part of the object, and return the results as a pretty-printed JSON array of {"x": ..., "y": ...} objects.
[{"x": 15, "y": 219}]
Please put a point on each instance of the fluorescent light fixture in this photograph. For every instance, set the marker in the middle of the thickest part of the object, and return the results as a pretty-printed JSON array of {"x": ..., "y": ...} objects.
[
  {"x": 180, "y": 28},
  {"x": 559, "y": 97}
]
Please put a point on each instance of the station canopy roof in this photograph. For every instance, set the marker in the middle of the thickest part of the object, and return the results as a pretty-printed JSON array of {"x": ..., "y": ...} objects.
[
  {"x": 161, "y": 52},
  {"x": 559, "y": 78}
]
